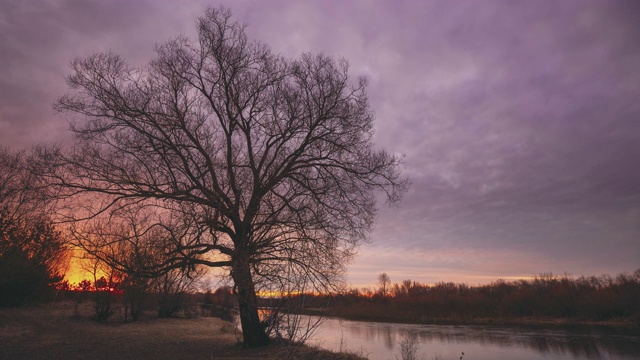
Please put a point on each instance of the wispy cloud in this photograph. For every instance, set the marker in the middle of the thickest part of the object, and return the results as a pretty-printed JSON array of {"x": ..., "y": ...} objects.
[{"x": 519, "y": 120}]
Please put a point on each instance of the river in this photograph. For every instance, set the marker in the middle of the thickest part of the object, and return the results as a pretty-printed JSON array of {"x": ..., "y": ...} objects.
[{"x": 447, "y": 342}]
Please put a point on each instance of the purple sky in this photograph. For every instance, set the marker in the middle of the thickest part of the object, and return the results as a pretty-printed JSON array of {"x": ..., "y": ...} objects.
[{"x": 520, "y": 120}]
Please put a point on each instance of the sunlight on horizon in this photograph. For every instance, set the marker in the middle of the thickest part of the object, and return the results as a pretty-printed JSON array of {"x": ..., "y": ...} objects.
[{"x": 80, "y": 268}]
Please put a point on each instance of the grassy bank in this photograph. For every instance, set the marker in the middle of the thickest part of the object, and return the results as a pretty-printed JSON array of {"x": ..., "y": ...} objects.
[
  {"x": 357, "y": 315},
  {"x": 54, "y": 331}
]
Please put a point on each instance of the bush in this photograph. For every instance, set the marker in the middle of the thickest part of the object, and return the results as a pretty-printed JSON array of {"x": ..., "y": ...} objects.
[
  {"x": 31, "y": 256},
  {"x": 135, "y": 292},
  {"x": 22, "y": 281}
]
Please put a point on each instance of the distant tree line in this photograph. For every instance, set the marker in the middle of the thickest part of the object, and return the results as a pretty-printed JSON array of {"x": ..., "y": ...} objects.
[
  {"x": 547, "y": 296},
  {"x": 172, "y": 295}
]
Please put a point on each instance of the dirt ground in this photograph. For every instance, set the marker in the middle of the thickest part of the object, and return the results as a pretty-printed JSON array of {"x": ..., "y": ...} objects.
[{"x": 54, "y": 331}]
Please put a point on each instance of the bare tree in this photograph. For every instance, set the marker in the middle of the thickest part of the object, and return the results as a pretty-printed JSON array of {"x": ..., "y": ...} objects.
[
  {"x": 133, "y": 242},
  {"x": 33, "y": 253},
  {"x": 11, "y": 179},
  {"x": 105, "y": 281},
  {"x": 269, "y": 160},
  {"x": 384, "y": 284},
  {"x": 21, "y": 192}
]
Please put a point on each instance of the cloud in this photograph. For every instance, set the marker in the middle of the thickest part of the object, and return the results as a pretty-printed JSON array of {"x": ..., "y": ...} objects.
[{"x": 519, "y": 122}]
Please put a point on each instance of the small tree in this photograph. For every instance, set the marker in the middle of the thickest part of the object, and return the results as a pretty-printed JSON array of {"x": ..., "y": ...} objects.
[
  {"x": 131, "y": 244},
  {"x": 106, "y": 284},
  {"x": 135, "y": 292},
  {"x": 172, "y": 288},
  {"x": 384, "y": 285}
]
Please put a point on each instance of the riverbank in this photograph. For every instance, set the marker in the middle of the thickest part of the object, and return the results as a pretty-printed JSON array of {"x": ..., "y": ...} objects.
[
  {"x": 57, "y": 331},
  {"x": 623, "y": 323}
]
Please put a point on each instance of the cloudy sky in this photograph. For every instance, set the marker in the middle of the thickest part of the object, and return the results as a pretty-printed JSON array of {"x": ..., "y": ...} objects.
[{"x": 519, "y": 120}]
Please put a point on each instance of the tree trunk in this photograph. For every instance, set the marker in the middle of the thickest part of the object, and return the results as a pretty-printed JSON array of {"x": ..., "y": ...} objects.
[{"x": 253, "y": 332}]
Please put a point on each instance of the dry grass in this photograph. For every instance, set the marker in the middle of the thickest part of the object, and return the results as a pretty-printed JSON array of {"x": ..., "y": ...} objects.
[{"x": 53, "y": 332}]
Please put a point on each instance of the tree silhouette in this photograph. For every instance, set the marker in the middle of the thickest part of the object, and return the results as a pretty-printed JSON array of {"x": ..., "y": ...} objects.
[
  {"x": 384, "y": 284},
  {"x": 33, "y": 254},
  {"x": 237, "y": 157}
]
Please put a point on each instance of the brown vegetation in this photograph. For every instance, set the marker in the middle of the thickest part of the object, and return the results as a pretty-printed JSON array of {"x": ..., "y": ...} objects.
[
  {"x": 53, "y": 332},
  {"x": 546, "y": 299}
]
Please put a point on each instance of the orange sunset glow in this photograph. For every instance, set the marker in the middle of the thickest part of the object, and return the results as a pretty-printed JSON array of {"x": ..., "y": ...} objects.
[{"x": 80, "y": 268}]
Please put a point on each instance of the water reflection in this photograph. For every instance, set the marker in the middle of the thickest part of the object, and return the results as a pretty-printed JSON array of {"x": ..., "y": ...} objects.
[{"x": 381, "y": 340}]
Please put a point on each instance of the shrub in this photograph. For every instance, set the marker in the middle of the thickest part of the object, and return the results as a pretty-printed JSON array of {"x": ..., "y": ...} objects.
[{"x": 32, "y": 254}]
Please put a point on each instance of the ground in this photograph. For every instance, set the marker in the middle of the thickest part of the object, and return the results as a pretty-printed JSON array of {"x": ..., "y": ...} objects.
[{"x": 55, "y": 331}]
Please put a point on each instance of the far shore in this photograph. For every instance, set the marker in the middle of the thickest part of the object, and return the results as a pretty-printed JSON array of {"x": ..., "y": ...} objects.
[{"x": 626, "y": 324}]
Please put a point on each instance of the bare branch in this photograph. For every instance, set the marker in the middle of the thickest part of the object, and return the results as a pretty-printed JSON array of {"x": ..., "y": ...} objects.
[{"x": 257, "y": 162}]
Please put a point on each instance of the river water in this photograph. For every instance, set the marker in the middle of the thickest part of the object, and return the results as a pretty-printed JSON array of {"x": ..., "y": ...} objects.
[{"x": 448, "y": 342}]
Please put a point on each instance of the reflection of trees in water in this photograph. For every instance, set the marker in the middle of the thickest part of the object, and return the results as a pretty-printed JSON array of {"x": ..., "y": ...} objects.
[
  {"x": 594, "y": 344},
  {"x": 388, "y": 338},
  {"x": 372, "y": 332}
]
